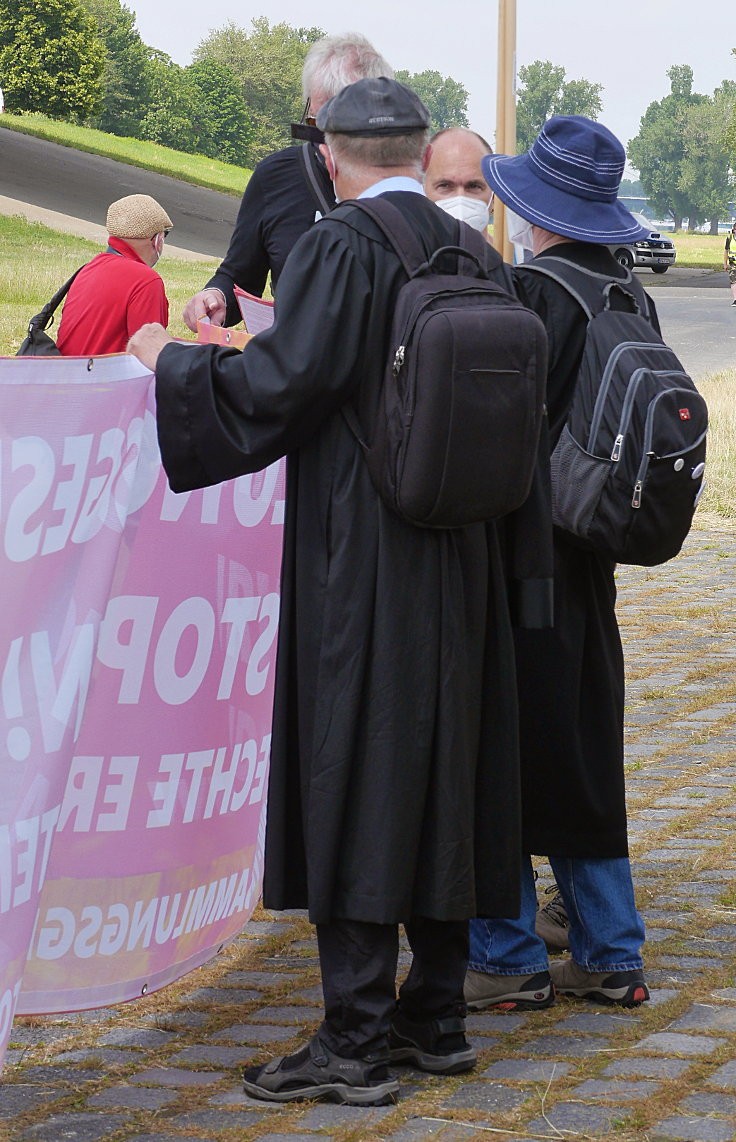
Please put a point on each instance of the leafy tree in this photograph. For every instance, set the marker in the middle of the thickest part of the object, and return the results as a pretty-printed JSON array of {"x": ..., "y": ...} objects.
[
  {"x": 224, "y": 123},
  {"x": 706, "y": 166},
  {"x": 730, "y": 133},
  {"x": 171, "y": 118},
  {"x": 659, "y": 150},
  {"x": 267, "y": 61},
  {"x": 50, "y": 58},
  {"x": 631, "y": 188},
  {"x": 544, "y": 92},
  {"x": 127, "y": 75},
  {"x": 445, "y": 98}
]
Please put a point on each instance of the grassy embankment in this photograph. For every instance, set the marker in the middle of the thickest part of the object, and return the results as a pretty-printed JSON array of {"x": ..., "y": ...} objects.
[
  {"x": 197, "y": 169},
  {"x": 35, "y": 260}
]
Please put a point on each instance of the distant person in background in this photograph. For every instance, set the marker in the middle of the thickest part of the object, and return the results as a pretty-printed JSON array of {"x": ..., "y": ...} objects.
[
  {"x": 119, "y": 290},
  {"x": 287, "y": 190},
  {"x": 729, "y": 260},
  {"x": 454, "y": 179}
]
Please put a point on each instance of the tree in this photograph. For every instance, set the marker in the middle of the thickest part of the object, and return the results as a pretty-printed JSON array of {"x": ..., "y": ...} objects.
[
  {"x": 50, "y": 58},
  {"x": 730, "y": 133},
  {"x": 127, "y": 74},
  {"x": 268, "y": 64},
  {"x": 706, "y": 176},
  {"x": 658, "y": 151},
  {"x": 224, "y": 123},
  {"x": 445, "y": 98},
  {"x": 544, "y": 92}
]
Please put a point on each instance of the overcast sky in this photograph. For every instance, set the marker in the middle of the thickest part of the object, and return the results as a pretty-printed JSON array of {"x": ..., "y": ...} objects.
[{"x": 626, "y": 46}]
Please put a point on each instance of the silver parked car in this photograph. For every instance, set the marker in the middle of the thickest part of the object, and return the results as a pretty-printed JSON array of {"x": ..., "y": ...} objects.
[{"x": 657, "y": 251}]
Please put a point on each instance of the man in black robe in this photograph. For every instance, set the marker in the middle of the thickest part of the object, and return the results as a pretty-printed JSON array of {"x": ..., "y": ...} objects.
[
  {"x": 394, "y": 768},
  {"x": 561, "y": 200},
  {"x": 287, "y": 189}
]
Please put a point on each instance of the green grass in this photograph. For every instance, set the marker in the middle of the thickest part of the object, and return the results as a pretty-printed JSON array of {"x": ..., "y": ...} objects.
[
  {"x": 699, "y": 251},
  {"x": 197, "y": 169},
  {"x": 35, "y": 261}
]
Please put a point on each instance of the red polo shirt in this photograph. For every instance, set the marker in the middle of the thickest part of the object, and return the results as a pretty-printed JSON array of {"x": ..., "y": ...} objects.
[{"x": 109, "y": 300}]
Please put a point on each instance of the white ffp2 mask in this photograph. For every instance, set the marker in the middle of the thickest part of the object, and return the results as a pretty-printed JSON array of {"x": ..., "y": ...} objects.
[{"x": 474, "y": 211}]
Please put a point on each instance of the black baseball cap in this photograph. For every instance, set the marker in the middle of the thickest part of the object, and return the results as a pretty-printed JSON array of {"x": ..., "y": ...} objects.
[{"x": 377, "y": 106}]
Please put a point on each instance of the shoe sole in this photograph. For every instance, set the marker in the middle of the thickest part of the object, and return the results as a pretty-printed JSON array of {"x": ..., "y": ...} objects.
[
  {"x": 630, "y": 996},
  {"x": 380, "y": 1095},
  {"x": 453, "y": 1064},
  {"x": 520, "y": 1002}
]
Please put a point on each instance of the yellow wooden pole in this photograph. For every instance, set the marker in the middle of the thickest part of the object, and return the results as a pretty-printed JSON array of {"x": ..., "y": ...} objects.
[{"x": 505, "y": 112}]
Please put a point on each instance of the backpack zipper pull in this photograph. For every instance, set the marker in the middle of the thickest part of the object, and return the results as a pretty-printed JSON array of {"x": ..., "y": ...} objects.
[
  {"x": 636, "y": 498},
  {"x": 617, "y": 445},
  {"x": 398, "y": 360}
]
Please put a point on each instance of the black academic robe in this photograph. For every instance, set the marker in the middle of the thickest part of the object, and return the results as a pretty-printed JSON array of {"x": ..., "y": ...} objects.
[
  {"x": 276, "y": 209},
  {"x": 394, "y": 766},
  {"x": 571, "y": 678}
]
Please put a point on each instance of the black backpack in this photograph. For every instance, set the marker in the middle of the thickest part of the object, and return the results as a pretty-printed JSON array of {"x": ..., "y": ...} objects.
[
  {"x": 455, "y": 438},
  {"x": 628, "y": 467}
]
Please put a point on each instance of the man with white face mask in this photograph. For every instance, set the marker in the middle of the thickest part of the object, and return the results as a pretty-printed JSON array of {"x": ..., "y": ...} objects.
[{"x": 454, "y": 179}]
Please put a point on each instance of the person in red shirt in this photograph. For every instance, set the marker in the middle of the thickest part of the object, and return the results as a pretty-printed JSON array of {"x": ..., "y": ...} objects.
[{"x": 118, "y": 291}]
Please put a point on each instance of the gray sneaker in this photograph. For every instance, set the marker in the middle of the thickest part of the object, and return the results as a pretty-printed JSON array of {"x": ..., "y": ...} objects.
[
  {"x": 625, "y": 988},
  {"x": 552, "y": 923},
  {"x": 508, "y": 992}
]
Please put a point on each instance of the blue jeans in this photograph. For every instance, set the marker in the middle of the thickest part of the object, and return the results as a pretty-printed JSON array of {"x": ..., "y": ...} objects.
[{"x": 606, "y": 931}]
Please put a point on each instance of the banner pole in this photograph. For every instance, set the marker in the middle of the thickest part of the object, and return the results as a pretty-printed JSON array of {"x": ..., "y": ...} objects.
[{"x": 505, "y": 112}]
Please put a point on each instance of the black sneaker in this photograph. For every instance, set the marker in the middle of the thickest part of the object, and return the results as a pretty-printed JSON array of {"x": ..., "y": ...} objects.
[
  {"x": 316, "y": 1072},
  {"x": 624, "y": 988},
  {"x": 438, "y": 1046}
]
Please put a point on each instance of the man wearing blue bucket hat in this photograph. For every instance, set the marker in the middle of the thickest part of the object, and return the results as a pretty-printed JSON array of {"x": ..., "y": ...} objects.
[{"x": 561, "y": 199}]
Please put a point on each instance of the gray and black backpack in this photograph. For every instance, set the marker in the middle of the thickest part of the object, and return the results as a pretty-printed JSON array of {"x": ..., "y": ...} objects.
[{"x": 628, "y": 467}]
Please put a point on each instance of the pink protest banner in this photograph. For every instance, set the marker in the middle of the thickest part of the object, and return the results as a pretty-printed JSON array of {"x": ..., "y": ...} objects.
[{"x": 137, "y": 646}]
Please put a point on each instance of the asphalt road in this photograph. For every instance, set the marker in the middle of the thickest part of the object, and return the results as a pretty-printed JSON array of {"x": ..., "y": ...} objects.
[
  {"x": 696, "y": 316},
  {"x": 83, "y": 186}
]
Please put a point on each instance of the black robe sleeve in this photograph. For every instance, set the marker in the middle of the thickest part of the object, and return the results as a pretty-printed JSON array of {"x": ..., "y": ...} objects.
[{"x": 222, "y": 413}]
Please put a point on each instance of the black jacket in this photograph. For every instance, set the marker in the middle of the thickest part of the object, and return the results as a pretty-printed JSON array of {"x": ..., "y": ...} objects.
[{"x": 394, "y": 769}]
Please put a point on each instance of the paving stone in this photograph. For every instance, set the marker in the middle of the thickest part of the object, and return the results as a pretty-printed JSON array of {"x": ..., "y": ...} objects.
[
  {"x": 309, "y": 995},
  {"x": 704, "y": 1017},
  {"x": 420, "y": 1128},
  {"x": 667, "y": 1042},
  {"x": 75, "y": 1128},
  {"x": 107, "y": 1056},
  {"x": 163, "y": 1138},
  {"x": 701, "y": 963},
  {"x": 286, "y": 1014},
  {"x": 680, "y": 1128},
  {"x": 702, "y": 1102},
  {"x": 566, "y": 1046},
  {"x": 647, "y": 1068},
  {"x": 132, "y": 1098},
  {"x": 326, "y": 1115},
  {"x": 494, "y": 1022},
  {"x": 599, "y": 1022},
  {"x": 290, "y": 1137},
  {"x": 615, "y": 1090},
  {"x": 137, "y": 1037},
  {"x": 725, "y": 993},
  {"x": 216, "y": 1120},
  {"x": 38, "y": 1036},
  {"x": 578, "y": 1118},
  {"x": 255, "y": 1033},
  {"x": 174, "y": 1020},
  {"x": 17, "y": 1098},
  {"x": 263, "y": 980},
  {"x": 45, "y": 1073},
  {"x": 222, "y": 995},
  {"x": 526, "y": 1070},
  {"x": 724, "y": 1077},
  {"x": 203, "y": 1055},
  {"x": 486, "y": 1096},
  {"x": 171, "y": 1076},
  {"x": 267, "y": 928}
]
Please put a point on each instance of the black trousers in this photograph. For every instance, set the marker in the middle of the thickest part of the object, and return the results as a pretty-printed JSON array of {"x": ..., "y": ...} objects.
[{"x": 358, "y": 963}]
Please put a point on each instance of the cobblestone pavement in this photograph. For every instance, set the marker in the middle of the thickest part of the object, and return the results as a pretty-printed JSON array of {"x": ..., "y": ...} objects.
[{"x": 167, "y": 1067}]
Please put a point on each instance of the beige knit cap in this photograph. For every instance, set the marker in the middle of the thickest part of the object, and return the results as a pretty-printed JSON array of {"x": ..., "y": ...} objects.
[{"x": 137, "y": 216}]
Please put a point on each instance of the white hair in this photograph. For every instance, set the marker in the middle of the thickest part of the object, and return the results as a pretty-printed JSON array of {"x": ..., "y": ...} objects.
[{"x": 336, "y": 61}]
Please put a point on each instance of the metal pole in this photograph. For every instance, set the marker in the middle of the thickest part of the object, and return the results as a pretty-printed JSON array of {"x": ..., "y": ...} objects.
[{"x": 505, "y": 111}]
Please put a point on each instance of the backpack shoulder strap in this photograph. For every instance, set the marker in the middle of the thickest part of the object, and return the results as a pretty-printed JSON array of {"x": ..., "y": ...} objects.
[
  {"x": 589, "y": 289},
  {"x": 394, "y": 226},
  {"x": 311, "y": 178}
]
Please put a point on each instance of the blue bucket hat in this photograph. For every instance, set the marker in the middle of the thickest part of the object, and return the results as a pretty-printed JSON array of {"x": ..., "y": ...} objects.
[{"x": 568, "y": 182}]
